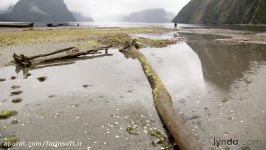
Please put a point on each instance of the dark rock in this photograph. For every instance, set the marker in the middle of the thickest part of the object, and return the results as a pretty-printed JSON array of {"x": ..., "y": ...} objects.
[
  {"x": 16, "y": 93},
  {"x": 17, "y": 100},
  {"x": 51, "y": 96},
  {"x": 42, "y": 79},
  {"x": 13, "y": 78},
  {"x": 85, "y": 85},
  {"x": 15, "y": 87}
]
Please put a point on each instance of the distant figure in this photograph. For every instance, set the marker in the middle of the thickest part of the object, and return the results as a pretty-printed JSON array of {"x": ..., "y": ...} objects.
[{"x": 175, "y": 28}]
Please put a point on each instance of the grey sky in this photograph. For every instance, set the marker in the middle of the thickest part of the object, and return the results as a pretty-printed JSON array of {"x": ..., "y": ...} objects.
[{"x": 111, "y": 10}]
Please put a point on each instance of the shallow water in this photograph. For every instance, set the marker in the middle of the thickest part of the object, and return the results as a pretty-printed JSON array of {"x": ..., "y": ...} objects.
[
  {"x": 217, "y": 87},
  {"x": 178, "y": 66},
  {"x": 100, "y": 73}
]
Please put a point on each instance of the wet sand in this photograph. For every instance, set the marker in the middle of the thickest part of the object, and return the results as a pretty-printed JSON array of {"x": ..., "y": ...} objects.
[
  {"x": 230, "y": 35},
  {"x": 92, "y": 101},
  {"x": 216, "y": 85}
]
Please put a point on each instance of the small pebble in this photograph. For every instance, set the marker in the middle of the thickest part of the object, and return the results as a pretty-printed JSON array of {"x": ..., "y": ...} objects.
[
  {"x": 42, "y": 79},
  {"x": 14, "y": 121},
  {"x": 51, "y": 96},
  {"x": 15, "y": 87},
  {"x": 13, "y": 78},
  {"x": 85, "y": 85},
  {"x": 16, "y": 93}
]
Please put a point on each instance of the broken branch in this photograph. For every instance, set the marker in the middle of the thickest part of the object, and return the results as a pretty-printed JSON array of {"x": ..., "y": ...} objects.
[
  {"x": 27, "y": 62},
  {"x": 52, "y": 53}
]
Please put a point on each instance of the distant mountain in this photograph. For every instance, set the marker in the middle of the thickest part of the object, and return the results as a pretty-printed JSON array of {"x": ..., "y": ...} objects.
[
  {"x": 2, "y": 19},
  {"x": 223, "y": 12},
  {"x": 39, "y": 11},
  {"x": 157, "y": 15},
  {"x": 80, "y": 18},
  {"x": 2, "y": 12}
]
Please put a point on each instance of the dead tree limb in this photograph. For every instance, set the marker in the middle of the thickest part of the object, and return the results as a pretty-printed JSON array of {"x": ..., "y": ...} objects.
[
  {"x": 72, "y": 55},
  {"x": 26, "y": 62},
  {"x": 181, "y": 133},
  {"x": 52, "y": 53}
]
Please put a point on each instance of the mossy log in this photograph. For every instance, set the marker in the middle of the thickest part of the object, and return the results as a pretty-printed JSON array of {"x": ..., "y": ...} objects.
[
  {"x": 27, "y": 62},
  {"x": 181, "y": 133}
]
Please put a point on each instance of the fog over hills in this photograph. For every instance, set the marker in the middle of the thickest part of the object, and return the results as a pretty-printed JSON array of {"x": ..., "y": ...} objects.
[
  {"x": 156, "y": 15},
  {"x": 107, "y": 10},
  {"x": 81, "y": 18}
]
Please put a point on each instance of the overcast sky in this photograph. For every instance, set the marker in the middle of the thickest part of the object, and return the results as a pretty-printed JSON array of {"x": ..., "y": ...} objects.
[{"x": 111, "y": 10}]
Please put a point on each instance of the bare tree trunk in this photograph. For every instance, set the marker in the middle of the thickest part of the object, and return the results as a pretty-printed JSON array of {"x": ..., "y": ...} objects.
[{"x": 176, "y": 126}]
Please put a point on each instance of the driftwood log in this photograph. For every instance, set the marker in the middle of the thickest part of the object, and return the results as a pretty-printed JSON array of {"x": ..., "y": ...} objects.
[
  {"x": 181, "y": 133},
  {"x": 30, "y": 25},
  {"x": 27, "y": 62}
]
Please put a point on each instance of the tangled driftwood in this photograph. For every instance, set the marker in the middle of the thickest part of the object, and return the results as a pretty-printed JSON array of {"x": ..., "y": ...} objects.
[
  {"x": 176, "y": 126},
  {"x": 71, "y": 52}
]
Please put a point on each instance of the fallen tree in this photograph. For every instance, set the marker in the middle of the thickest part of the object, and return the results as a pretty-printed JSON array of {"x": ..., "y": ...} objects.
[
  {"x": 181, "y": 133},
  {"x": 27, "y": 62}
]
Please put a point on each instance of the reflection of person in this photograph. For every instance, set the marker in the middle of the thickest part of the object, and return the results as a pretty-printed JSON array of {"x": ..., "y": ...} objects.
[
  {"x": 175, "y": 28},
  {"x": 175, "y": 35}
]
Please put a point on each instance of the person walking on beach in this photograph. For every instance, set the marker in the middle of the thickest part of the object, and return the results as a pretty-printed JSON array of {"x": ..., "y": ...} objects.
[{"x": 175, "y": 28}]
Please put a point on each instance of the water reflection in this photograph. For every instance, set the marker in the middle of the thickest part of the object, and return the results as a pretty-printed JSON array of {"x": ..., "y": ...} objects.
[
  {"x": 201, "y": 75},
  {"x": 223, "y": 63},
  {"x": 107, "y": 75},
  {"x": 178, "y": 66}
]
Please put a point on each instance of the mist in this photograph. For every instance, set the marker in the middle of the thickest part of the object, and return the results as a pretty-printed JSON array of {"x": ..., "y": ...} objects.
[{"x": 112, "y": 10}]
